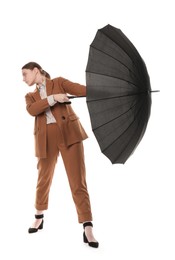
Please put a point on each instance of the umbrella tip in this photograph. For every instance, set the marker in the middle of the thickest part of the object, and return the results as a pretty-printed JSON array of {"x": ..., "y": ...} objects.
[{"x": 154, "y": 91}]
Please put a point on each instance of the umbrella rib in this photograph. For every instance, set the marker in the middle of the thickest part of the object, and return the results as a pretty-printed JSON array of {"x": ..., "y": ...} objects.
[
  {"x": 130, "y": 139},
  {"x": 115, "y": 117},
  {"x": 123, "y": 132},
  {"x": 114, "y": 59},
  {"x": 105, "y": 98},
  {"x": 97, "y": 73},
  {"x": 129, "y": 43},
  {"x": 131, "y": 46}
]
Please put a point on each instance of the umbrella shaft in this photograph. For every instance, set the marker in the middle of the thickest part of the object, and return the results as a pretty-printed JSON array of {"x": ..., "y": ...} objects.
[{"x": 70, "y": 97}]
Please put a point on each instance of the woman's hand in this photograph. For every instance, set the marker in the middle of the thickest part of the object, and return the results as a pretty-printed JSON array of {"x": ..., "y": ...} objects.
[{"x": 61, "y": 98}]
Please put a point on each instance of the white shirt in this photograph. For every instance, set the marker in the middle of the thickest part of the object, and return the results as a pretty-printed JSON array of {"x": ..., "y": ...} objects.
[{"x": 49, "y": 116}]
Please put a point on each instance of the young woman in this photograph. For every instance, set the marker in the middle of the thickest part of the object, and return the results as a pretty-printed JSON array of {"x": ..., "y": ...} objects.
[{"x": 57, "y": 130}]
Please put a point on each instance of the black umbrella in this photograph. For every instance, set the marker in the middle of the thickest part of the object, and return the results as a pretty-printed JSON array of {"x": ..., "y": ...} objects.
[{"x": 118, "y": 93}]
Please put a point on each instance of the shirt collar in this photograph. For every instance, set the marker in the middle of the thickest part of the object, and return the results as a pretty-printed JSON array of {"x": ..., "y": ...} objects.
[{"x": 42, "y": 86}]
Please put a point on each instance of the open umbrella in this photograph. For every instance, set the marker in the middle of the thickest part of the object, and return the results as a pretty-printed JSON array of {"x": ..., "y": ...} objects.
[{"x": 118, "y": 93}]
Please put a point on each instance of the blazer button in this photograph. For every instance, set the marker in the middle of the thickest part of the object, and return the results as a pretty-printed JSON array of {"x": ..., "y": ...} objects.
[{"x": 63, "y": 117}]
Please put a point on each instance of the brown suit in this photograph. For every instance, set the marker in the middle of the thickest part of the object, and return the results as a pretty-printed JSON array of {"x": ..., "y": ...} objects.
[
  {"x": 70, "y": 127},
  {"x": 65, "y": 137}
]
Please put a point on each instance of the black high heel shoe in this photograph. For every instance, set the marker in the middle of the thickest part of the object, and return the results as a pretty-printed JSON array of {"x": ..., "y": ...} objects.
[
  {"x": 92, "y": 244},
  {"x": 34, "y": 230}
]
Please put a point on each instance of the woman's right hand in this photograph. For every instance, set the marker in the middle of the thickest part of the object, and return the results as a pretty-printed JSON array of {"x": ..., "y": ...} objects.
[{"x": 61, "y": 98}]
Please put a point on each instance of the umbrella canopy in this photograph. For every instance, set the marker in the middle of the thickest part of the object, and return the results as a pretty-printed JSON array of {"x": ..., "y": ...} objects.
[{"x": 118, "y": 93}]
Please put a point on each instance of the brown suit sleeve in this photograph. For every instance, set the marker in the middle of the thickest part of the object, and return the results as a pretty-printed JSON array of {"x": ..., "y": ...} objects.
[
  {"x": 34, "y": 107},
  {"x": 72, "y": 88}
]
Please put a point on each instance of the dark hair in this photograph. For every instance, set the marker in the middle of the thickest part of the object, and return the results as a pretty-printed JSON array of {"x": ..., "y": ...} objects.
[{"x": 31, "y": 65}]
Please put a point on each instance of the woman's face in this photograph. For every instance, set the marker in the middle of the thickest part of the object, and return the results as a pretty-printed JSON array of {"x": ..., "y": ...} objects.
[{"x": 29, "y": 76}]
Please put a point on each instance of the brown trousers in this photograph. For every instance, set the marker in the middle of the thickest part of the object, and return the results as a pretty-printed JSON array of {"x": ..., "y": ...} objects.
[{"x": 73, "y": 158}]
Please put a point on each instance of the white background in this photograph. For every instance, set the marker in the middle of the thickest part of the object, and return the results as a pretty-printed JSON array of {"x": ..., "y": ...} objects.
[{"x": 133, "y": 204}]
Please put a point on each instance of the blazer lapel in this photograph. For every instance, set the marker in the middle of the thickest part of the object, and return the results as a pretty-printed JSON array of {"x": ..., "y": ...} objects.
[
  {"x": 49, "y": 87},
  {"x": 36, "y": 94},
  {"x": 49, "y": 90}
]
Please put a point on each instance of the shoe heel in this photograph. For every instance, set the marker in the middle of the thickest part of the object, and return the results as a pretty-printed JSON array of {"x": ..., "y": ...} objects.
[{"x": 85, "y": 238}]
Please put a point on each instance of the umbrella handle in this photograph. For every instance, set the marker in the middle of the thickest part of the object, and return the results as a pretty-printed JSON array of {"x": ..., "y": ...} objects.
[
  {"x": 65, "y": 103},
  {"x": 70, "y": 97}
]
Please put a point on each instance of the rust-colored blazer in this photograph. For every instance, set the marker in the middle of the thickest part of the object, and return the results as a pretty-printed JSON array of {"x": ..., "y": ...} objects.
[{"x": 68, "y": 122}]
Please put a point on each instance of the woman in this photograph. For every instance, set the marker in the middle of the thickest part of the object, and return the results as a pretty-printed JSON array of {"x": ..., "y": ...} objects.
[{"x": 57, "y": 130}]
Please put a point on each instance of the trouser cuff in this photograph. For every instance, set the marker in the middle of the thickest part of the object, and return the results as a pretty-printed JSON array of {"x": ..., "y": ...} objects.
[
  {"x": 41, "y": 207},
  {"x": 85, "y": 217}
]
